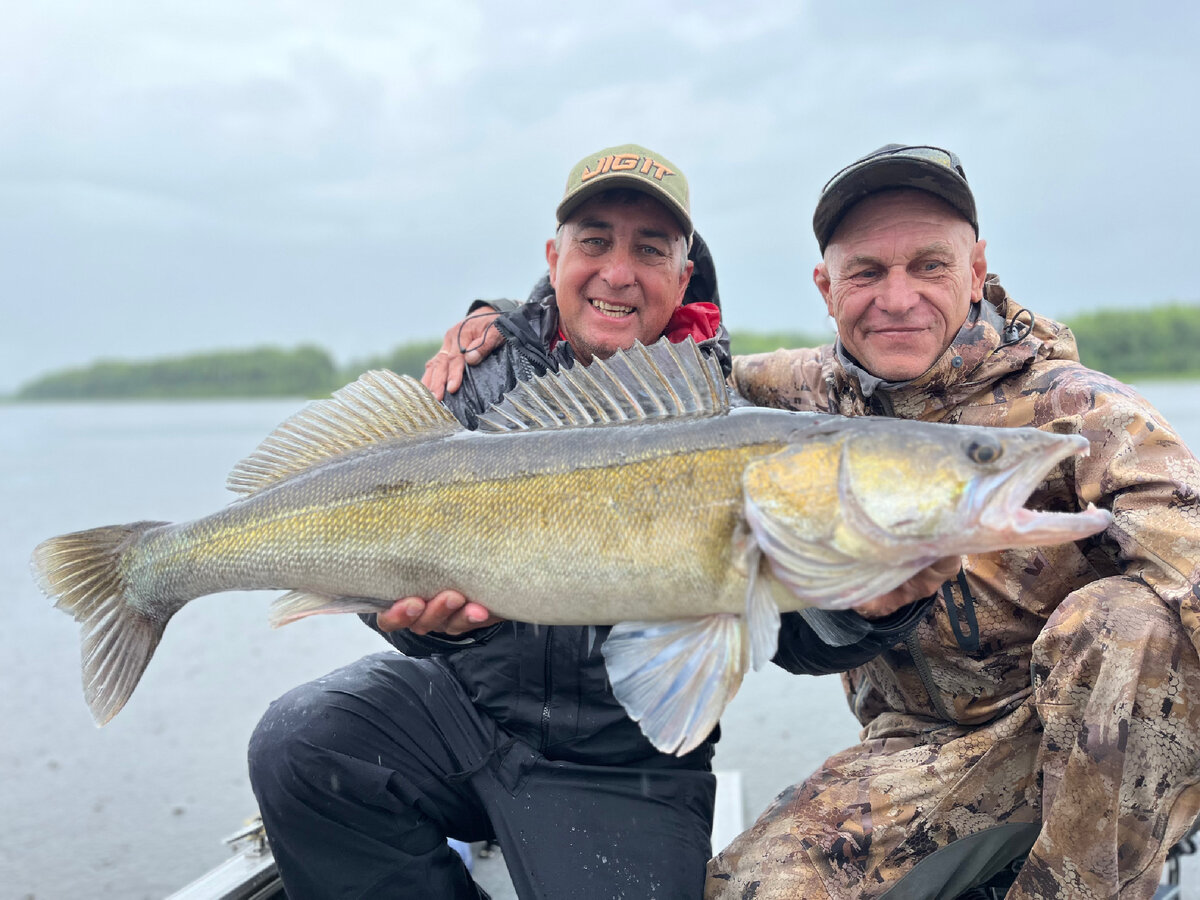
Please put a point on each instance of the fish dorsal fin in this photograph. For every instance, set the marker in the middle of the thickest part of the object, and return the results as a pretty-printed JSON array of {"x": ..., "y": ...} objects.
[
  {"x": 380, "y": 406},
  {"x": 661, "y": 381}
]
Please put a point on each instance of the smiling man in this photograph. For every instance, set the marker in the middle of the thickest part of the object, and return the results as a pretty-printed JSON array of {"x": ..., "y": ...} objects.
[
  {"x": 1047, "y": 711},
  {"x": 624, "y": 264},
  {"x": 496, "y": 729},
  {"x": 619, "y": 262},
  {"x": 899, "y": 280}
]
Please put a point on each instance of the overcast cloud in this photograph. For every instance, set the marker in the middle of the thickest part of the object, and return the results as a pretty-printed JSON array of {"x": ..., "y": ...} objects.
[{"x": 178, "y": 177}]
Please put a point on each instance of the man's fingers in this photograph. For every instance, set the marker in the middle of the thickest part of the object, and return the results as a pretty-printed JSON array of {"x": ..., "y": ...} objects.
[
  {"x": 947, "y": 567},
  {"x": 454, "y": 373},
  {"x": 437, "y": 374},
  {"x": 467, "y": 342},
  {"x": 449, "y": 612},
  {"x": 482, "y": 347},
  {"x": 921, "y": 585},
  {"x": 438, "y": 612},
  {"x": 403, "y": 613}
]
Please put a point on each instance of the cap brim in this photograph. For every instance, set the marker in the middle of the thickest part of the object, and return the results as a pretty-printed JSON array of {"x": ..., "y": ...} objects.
[
  {"x": 887, "y": 174},
  {"x": 585, "y": 192}
]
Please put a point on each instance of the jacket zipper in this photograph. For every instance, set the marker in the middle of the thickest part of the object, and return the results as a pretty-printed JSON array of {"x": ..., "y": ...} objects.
[{"x": 547, "y": 688}]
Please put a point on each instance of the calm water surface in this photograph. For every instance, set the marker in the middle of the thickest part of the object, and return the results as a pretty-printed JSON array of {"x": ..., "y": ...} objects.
[{"x": 138, "y": 808}]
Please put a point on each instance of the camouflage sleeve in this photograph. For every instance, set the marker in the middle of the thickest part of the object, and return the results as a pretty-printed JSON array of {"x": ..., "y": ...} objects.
[
  {"x": 1140, "y": 470},
  {"x": 784, "y": 379}
]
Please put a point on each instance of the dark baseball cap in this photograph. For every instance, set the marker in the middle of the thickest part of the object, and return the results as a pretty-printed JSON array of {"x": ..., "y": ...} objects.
[
  {"x": 628, "y": 166},
  {"x": 924, "y": 168}
]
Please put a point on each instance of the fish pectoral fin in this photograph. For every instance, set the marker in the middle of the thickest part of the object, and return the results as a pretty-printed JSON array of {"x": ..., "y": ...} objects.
[
  {"x": 675, "y": 678},
  {"x": 302, "y": 604},
  {"x": 822, "y": 575}
]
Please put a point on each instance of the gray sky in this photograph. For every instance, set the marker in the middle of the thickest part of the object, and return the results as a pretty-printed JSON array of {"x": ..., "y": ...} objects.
[{"x": 192, "y": 176}]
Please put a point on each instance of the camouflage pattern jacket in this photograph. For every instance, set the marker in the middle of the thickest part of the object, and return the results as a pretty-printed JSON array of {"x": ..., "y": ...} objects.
[{"x": 969, "y": 661}]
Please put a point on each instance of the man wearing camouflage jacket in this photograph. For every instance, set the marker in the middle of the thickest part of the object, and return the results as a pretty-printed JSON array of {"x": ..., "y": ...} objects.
[{"x": 1051, "y": 701}]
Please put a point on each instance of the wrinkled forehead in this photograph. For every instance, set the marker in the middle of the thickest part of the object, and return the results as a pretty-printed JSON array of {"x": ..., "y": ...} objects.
[
  {"x": 625, "y": 207},
  {"x": 904, "y": 208}
]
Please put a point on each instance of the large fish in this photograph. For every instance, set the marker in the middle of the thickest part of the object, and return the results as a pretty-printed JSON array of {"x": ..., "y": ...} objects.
[{"x": 627, "y": 492}]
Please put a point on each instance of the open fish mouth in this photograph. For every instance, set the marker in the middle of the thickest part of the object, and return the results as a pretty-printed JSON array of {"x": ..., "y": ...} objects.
[{"x": 996, "y": 503}]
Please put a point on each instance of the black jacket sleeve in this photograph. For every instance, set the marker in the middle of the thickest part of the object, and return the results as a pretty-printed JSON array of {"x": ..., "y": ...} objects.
[
  {"x": 422, "y": 645},
  {"x": 803, "y": 652}
]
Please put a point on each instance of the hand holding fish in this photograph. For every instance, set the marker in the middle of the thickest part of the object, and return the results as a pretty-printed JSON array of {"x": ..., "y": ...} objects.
[
  {"x": 465, "y": 344},
  {"x": 924, "y": 583},
  {"x": 449, "y": 612}
]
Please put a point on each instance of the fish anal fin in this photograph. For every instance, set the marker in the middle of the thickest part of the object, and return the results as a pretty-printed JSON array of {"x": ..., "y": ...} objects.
[
  {"x": 676, "y": 678},
  {"x": 379, "y": 407},
  {"x": 296, "y": 605}
]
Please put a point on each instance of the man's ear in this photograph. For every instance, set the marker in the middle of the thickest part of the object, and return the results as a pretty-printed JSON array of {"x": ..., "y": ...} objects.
[
  {"x": 821, "y": 280},
  {"x": 685, "y": 276},
  {"x": 978, "y": 269},
  {"x": 552, "y": 260}
]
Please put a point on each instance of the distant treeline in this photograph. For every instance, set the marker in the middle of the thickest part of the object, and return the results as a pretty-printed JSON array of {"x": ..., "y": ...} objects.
[
  {"x": 1161, "y": 342},
  {"x": 256, "y": 372}
]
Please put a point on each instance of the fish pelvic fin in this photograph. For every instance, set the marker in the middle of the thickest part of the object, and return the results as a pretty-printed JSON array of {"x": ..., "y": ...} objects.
[
  {"x": 762, "y": 615},
  {"x": 380, "y": 407},
  {"x": 83, "y": 573},
  {"x": 676, "y": 678},
  {"x": 660, "y": 381},
  {"x": 296, "y": 605}
]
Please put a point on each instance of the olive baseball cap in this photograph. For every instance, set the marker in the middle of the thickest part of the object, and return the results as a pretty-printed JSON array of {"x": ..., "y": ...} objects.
[
  {"x": 628, "y": 166},
  {"x": 924, "y": 168}
]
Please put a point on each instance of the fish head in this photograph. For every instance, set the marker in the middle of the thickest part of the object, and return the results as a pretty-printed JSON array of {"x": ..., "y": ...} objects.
[{"x": 905, "y": 494}]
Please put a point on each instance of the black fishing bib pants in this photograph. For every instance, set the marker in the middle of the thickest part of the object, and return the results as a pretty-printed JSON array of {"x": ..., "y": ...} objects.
[{"x": 362, "y": 775}]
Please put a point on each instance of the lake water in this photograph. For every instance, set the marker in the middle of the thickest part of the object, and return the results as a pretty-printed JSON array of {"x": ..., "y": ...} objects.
[{"x": 138, "y": 808}]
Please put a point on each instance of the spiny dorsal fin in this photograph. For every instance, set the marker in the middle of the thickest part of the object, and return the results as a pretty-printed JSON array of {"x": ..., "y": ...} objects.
[
  {"x": 380, "y": 406},
  {"x": 662, "y": 381}
]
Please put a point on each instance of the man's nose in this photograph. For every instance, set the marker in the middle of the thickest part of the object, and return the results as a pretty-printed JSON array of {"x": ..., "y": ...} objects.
[
  {"x": 618, "y": 269},
  {"x": 897, "y": 293}
]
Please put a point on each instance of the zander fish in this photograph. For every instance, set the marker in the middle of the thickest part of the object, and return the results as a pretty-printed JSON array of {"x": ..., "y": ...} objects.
[{"x": 627, "y": 493}]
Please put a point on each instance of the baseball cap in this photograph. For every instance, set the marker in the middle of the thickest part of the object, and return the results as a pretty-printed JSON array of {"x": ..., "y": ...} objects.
[
  {"x": 925, "y": 168},
  {"x": 628, "y": 166}
]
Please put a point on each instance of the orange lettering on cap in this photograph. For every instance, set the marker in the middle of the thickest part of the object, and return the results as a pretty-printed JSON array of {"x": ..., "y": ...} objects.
[
  {"x": 660, "y": 171},
  {"x": 625, "y": 161},
  {"x": 646, "y": 165},
  {"x": 601, "y": 168}
]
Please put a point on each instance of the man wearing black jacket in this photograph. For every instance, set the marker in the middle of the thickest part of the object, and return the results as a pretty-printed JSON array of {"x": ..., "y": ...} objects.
[{"x": 496, "y": 729}]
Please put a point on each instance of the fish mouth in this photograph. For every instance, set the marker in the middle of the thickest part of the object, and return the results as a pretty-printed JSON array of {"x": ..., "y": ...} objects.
[
  {"x": 997, "y": 502},
  {"x": 610, "y": 310}
]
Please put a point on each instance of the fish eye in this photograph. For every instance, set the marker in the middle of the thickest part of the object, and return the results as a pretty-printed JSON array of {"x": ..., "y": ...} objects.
[{"x": 984, "y": 451}]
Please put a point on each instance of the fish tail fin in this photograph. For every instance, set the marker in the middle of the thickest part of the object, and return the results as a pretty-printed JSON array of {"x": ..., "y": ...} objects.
[{"x": 83, "y": 573}]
